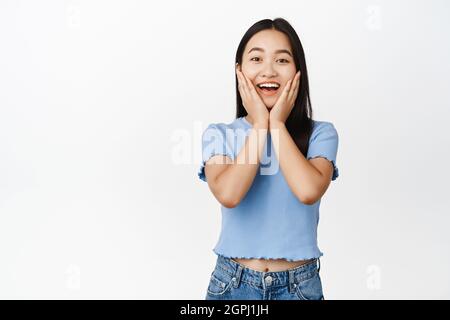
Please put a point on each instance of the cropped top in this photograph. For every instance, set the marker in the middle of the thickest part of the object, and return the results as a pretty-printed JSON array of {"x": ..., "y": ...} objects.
[{"x": 270, "y": 222}]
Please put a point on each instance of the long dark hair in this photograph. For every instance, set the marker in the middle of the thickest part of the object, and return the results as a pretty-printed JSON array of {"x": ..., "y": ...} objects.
[{"x": 299, "y": 123}]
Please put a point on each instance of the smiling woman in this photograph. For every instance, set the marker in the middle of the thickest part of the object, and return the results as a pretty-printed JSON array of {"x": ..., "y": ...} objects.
[
  {"x": 268, "y": 62},
  {"x": 270, "y": 180}
]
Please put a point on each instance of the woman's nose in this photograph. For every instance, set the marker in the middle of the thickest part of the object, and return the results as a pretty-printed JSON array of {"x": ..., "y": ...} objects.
[{"x": 268, "y": 71}]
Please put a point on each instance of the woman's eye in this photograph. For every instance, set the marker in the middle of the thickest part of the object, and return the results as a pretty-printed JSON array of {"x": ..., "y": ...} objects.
[{"x": 286, "y": 61}]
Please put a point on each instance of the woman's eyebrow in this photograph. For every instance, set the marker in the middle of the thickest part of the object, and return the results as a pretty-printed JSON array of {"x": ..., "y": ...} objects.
[{"x": 276, "y": 51}]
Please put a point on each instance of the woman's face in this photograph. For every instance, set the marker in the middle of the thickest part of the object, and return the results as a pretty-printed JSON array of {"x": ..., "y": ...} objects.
[{"x": 268, "y": 57}]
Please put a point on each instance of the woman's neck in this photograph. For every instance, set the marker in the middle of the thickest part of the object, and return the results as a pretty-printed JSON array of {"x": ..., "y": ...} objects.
[{"x": 249, "y": 119}]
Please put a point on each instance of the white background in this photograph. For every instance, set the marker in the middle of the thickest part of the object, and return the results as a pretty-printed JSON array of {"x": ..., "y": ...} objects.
[{"x": 102, "y": 104}]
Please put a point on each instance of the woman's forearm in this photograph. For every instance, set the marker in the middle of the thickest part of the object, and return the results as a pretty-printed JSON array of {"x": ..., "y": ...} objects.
[
  {"x": 301, "y": 176},
  {"x": 237, "y": 179}
]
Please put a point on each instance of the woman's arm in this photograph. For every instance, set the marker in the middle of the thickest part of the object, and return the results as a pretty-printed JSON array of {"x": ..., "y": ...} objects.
[
  {"x": 230, "y": 180},
  {"x": 307, "y": 181}
]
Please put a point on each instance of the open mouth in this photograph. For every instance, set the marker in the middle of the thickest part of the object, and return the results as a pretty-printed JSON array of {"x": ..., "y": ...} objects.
[{"x": 268, "y": 89}]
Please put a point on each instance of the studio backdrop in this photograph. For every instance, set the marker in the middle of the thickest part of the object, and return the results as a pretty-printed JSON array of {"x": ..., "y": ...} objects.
[{"x": 102, "y": 107}]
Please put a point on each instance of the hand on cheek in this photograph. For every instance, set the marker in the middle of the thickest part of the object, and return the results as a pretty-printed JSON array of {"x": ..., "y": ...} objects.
[{"x": 283, "y": 107}]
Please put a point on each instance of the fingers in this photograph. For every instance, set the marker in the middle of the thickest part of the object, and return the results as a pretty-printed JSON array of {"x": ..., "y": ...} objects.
[
  {"x": 241, "y": 83},
  {"x": 248, "y": 87},
  {"x": 249, "y": 94},
  {"x": 293, "y": 90},
  {"x": 286, "y": 89},
  {"x": 290, "y": 90}
]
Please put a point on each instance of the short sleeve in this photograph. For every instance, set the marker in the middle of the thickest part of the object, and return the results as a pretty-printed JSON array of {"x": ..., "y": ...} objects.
[
  {"x": 324, "y": 143},
  {"x": 214, "y": 142}
]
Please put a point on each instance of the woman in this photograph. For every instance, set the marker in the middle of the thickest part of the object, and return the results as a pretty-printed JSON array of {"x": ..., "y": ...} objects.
[{"x": 269, "y": 169}]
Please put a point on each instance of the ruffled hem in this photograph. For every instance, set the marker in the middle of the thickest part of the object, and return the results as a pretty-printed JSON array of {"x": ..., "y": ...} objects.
[
  {"x": 201, "y": 171},
  {"x": 335, "y": 168},
  {"x": 289, "y": 258}
]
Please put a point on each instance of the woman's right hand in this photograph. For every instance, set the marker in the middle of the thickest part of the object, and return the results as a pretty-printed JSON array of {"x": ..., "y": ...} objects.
[{"x": 251, "y": 100}]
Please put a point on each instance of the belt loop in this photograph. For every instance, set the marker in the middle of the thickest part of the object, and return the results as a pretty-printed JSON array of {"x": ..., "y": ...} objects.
[
  {"x": 238, "y": 275},
  {"x": 291, "y": 281},
  {"x": 318, "y": 259}
]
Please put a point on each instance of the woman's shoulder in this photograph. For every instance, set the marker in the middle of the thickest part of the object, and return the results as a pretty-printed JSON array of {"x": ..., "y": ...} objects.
[
  {"x": 321, "y": 126},
  {"x": 231, "y": 126}
]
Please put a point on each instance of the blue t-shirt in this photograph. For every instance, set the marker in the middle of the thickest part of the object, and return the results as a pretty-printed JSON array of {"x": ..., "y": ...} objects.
[{"x": 270, "y": 222}]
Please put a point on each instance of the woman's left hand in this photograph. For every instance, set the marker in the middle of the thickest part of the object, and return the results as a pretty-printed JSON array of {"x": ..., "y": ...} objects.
[{"x": 282, "y": 108}]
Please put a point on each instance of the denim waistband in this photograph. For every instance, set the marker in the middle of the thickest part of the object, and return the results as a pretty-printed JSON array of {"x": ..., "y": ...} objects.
[{"x": 264, "y": 279}]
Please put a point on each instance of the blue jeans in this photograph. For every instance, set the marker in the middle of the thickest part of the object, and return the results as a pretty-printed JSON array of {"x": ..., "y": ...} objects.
[{"x": 231, "y": 280}]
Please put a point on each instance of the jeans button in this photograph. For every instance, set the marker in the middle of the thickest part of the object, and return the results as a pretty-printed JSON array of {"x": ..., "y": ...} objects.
[{"x": 268, "y": 280}]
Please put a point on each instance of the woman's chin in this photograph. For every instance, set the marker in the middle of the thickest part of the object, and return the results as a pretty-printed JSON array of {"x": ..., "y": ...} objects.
[{"x": 269, "y": 103}]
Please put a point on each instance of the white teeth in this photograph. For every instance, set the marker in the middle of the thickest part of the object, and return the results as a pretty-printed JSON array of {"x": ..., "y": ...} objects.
[{"x": 268, "y": 85}]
